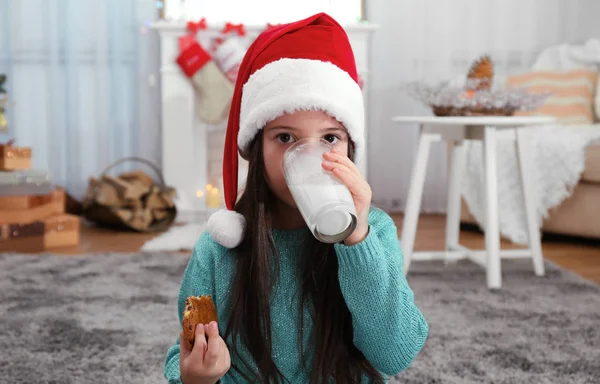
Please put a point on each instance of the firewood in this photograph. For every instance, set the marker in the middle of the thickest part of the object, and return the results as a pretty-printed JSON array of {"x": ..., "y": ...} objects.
[
  {"x": 142, "y": 218},
  {"x": 138, "y": 189},
  {"x": 159, "y": 214},
  {"x": 155, "y": 199},
  {"x": 131, "y": 200},
  {"x": 90, "y": 193},
  {"x": 125, "y": 214},
  {"x": 134, "y": 204},
  {"x": 137, "y": 175},
  {"x": 127, "y": 190},
  {"x": 94, "y": 182},
  {"x": 168, "y": 201},
  {"x": 121, "y": 186},
  {"x": 106, "y": 194},
  {"x": 169, "y": 194}
]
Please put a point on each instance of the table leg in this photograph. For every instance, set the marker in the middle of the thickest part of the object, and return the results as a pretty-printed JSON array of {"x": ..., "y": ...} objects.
[
  {"x": 413, "y": 202},
  {"x": 492, "y": 231},
  {"x": 453, "y": 207},
  {"x": 533, "y": 228}
]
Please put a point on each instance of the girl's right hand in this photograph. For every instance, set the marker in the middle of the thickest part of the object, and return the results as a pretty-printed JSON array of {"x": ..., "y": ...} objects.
[{"x": 208, "y": 360}]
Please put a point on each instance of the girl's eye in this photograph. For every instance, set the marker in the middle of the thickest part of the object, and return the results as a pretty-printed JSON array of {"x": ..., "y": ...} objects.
[
  {"x": 285, "y": 138},
  {"x": 332, "y": 139}
]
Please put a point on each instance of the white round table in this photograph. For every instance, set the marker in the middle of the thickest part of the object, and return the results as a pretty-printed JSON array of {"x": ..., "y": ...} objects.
[{"x": 456, "y": 129}]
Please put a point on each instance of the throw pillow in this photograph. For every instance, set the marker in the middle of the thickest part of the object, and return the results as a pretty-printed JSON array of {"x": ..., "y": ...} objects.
[
  {"x": 572, "y": 93},
  {"x": 597, "y": 102}
]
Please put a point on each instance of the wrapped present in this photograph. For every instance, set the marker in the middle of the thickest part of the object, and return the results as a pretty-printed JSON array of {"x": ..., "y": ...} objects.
[
  {"x": 25, "y": 182},
  {"x": 53, "y": 204},
  {"x": 61, "y": 231},
  {"x": 22, "y": 237},
  {"x": 14, "y": 158},
  {"x": 17, "y": 202}
]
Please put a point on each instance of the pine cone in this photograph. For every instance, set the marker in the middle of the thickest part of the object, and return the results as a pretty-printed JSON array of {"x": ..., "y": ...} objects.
[{"x": 481, "y": 74}]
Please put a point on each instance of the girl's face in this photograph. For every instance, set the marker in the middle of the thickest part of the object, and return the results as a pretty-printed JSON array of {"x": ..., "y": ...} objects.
[{"x": 281, "y": 133}]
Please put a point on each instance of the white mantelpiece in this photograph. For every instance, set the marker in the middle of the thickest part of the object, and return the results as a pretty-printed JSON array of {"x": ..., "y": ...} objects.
[{"x": 186, "y": 151}]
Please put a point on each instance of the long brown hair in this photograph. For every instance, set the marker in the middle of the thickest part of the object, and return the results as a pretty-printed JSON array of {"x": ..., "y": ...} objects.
[{"x": 335, "y": 356}]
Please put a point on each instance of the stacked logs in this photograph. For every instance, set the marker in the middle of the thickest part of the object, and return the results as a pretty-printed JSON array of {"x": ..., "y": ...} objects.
[{"x": 131, "y": 200}]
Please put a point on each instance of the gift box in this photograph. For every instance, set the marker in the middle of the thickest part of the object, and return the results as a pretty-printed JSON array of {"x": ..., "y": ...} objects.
[
  {"x": 23, "y": 201},
  {"x": 22, "y": 237},
  {"x": 38, "y": 210},
  {"x": 25, "y": 182},
  {"x": 14, "y": 158},
  {"x": 61, "y": 231}
]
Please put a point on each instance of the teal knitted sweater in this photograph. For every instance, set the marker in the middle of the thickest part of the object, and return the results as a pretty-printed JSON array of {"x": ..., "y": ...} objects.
[{"x": 388, "y": 328}]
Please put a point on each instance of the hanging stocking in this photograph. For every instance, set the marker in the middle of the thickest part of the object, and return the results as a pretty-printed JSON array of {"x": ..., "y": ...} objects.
[
  {"x": 214, "y": 90},
  {"x": 229, "y": 50}
]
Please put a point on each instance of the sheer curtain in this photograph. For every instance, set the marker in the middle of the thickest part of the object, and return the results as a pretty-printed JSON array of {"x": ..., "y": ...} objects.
[
  {"x": 437, "y": 40},
  {"x": 82, "y": 82}
]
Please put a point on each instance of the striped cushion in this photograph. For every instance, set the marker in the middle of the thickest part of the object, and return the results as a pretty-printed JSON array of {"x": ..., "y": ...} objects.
[
  {"x": 597, "y": 102},
  {"x": 572, "y": 98}
]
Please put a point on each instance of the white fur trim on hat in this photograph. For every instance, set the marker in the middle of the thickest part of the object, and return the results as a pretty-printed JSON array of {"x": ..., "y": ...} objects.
[
  {"x": 226, "y": 228},
  {"x": 289, "y": 85}
]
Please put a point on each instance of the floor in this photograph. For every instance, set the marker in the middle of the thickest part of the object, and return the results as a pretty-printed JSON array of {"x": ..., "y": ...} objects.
[{"x": 576, "y": 255}]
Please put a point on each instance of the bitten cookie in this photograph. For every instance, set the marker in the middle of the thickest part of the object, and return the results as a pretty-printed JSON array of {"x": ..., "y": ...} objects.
[{"x": 198, "y": 310}]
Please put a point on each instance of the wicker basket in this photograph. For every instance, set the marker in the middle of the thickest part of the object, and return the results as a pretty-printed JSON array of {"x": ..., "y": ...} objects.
[{"x": 451, "y": 111}]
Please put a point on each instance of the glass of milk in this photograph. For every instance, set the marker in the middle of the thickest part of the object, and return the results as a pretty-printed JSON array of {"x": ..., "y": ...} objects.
[{"x": 323, "y": 200}]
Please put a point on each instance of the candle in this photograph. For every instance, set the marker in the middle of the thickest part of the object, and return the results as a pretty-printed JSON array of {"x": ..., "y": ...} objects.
[{"x": 213, "y": 198}]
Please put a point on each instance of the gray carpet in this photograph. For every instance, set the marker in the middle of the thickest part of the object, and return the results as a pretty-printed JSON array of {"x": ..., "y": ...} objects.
[{"x": 110, "y": 319}]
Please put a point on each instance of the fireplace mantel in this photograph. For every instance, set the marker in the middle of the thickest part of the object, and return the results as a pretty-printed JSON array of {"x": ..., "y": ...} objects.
[
  {"x": 179, "y": 27},
  {"x": 186, "y": 151}
]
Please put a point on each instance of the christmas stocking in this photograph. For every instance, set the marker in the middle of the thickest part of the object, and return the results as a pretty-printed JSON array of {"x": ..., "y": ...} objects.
[
  {"x": 214, "y": 90},
  {"x": 229, "y": 52}
]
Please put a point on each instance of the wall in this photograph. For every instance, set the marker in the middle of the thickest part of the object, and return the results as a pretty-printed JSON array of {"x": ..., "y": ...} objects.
[{"x": 216, "y": 141}]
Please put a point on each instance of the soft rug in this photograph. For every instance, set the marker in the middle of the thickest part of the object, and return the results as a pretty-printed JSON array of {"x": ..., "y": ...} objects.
[{"x": 110, "y": 318}]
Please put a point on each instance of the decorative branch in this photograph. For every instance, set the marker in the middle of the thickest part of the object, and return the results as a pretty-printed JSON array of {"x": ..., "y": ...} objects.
[{"x": 2, "y": 81}]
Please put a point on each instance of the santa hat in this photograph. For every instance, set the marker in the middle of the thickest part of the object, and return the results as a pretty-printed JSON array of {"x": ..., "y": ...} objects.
[{"x": 305, "y": 65}]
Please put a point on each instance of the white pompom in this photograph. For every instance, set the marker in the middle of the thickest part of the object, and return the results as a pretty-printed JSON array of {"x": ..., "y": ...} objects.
[{"x": 226, "y": 228}]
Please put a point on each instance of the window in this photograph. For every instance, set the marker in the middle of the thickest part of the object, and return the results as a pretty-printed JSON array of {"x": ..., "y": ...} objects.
[{"x": 257, "y": 12}]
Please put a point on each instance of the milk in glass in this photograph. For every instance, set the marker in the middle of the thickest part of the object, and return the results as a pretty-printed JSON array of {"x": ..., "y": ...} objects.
[{"x": 324, "y": 201}]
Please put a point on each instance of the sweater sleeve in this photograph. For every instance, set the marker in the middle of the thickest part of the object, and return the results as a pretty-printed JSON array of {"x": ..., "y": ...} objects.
[
  {"x": 388, "y": 327},
  {"x": 197, "y": 280}
]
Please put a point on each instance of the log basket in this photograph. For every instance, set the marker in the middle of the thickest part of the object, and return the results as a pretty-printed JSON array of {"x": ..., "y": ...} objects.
[{"x": 131, "y": 201}]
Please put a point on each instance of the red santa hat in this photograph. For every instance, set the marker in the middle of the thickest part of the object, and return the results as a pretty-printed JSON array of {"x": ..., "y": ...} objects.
[{"x": 305, "y": 65}]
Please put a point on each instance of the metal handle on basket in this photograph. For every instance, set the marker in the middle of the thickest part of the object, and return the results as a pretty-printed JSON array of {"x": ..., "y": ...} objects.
[{"x": 142, "y": 160}]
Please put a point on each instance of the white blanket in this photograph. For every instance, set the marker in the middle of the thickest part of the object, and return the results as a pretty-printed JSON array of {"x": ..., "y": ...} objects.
[
  {"x": 557, "y": 154},
  {"x": 177, "y": 238}
]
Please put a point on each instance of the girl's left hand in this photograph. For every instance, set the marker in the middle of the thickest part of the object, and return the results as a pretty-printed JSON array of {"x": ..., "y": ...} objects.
[{"x": 342, "y": 167}]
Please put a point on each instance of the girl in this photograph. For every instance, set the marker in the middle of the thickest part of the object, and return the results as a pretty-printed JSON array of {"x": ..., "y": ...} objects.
[{"x": 292, "y": 309}]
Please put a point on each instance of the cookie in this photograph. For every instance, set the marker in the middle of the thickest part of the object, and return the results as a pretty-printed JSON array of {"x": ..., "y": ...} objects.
[{"x": 198, "y": 310}]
